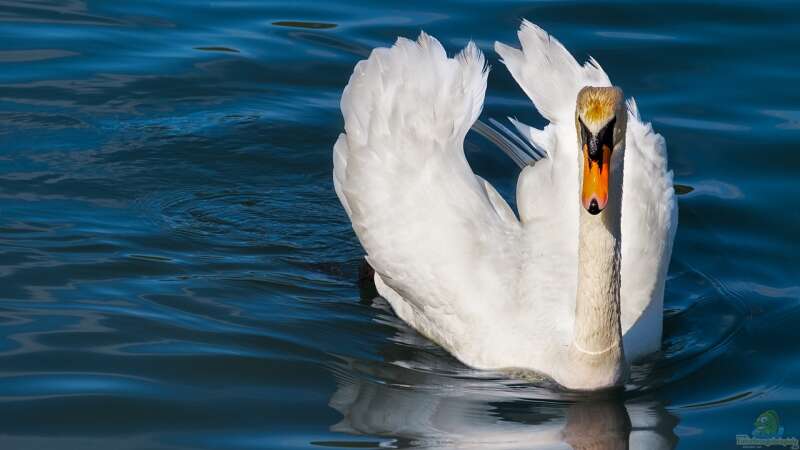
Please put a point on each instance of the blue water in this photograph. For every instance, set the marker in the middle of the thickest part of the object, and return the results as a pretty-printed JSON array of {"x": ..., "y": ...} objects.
[{"x": 176, "y": 271}]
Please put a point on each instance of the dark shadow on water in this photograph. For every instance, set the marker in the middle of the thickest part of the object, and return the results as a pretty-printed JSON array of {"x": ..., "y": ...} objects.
[
  {"x": 300, "y": 24},
  {"x": 217, "y": 49}
]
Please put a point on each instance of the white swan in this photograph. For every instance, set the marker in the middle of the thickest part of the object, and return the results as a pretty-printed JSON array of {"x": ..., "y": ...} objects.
[{"x": 572, "y": 289}]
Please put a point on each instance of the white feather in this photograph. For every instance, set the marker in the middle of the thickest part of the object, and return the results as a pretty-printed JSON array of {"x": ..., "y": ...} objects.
[{"x": 548, "y": 73}]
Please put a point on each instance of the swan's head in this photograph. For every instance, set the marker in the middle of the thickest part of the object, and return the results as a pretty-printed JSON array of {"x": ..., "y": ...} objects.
[{"x": 600, "y": 121}]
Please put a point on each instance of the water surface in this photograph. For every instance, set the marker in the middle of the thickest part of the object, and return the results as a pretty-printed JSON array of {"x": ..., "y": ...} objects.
[{"x": 177, "y": 272}]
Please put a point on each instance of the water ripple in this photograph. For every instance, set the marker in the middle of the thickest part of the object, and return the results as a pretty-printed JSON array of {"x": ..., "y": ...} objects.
[{"x": 177, "y": 272}]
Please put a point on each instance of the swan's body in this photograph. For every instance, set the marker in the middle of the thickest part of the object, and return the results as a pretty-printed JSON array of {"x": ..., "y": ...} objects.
[{"x": 449, "y": 253}]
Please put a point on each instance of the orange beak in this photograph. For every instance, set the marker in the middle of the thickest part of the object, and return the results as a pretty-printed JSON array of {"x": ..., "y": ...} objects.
[{"x": 594, "y": 193}]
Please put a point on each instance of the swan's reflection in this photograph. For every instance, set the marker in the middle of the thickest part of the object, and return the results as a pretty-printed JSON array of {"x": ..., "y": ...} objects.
[{"x": 418, "y": 397}]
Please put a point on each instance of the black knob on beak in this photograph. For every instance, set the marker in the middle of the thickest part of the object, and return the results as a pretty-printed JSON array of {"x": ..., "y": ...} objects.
[{"x": 594, "y": 209}]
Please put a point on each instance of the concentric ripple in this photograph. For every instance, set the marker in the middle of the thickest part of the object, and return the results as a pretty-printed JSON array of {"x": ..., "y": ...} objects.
[{"x": 229, "y": 216}]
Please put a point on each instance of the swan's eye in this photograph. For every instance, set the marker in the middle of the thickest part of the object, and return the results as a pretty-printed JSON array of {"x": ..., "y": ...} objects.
[
  {"x": 585, "y": 133},
  {"x": 595, "y": 143},
  {"x": 606, "y": 135}
]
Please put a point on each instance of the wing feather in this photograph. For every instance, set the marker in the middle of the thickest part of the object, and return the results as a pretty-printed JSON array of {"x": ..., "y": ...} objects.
[
  {"x": 649, "y": 221},
  {"x": 441, "y": 240},
  {"x": 548, "y": 73}
]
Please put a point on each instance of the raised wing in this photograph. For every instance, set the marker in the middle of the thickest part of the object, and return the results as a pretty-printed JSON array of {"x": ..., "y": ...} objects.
[
  {"x": 438, "y": 236},
  {"x": 649, "y": 221}
]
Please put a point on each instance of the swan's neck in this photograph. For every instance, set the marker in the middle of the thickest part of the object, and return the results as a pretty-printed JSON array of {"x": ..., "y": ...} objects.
[
  {"x": 597, "y": 353},
  {"x": 597, "y": 326}
]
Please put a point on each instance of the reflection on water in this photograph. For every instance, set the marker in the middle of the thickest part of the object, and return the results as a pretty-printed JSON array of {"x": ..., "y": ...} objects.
[{"x": 435, "y": 403}]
